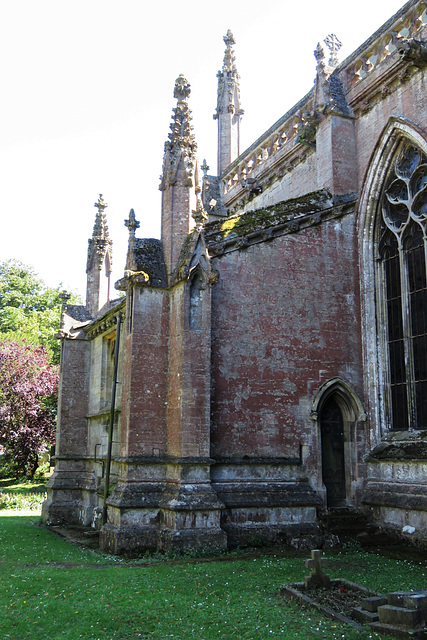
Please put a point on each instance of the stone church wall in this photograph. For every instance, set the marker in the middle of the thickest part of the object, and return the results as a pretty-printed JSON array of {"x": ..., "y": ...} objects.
[
  {"x": 407, "y": 100},
  {"x": 256, "y": 314},
  {"x": 145, "y": 351},
  {"x": 285, "y": 320}
]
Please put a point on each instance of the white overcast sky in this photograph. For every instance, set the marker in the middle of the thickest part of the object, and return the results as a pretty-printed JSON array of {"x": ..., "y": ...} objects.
[{"x": 87, "y": 97}]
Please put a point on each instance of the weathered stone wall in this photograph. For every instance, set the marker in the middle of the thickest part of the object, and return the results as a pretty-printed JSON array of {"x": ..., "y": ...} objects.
[
  {"x": 396, "y": 485},
  {"x": 145, "y": 373},
  {"x": 189, "y": 376},
  {"x": 74, "y": 398},
  {"x": 66, "y": 501},
  {"x": 285, "y": 320},
  {"x": 228, "y": 361},
  {"x": 401, "y": 98}
]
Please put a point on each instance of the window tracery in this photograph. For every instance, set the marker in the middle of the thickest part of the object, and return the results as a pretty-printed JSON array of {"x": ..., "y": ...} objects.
[{"x": 403, "y": 293}]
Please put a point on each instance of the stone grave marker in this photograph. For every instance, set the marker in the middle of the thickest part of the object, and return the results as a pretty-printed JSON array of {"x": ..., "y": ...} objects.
[{"x": 317, "y": 578}]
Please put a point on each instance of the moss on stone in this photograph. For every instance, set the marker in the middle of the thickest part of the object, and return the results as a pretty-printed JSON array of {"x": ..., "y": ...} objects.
[
  {"x": 249, "y": 222},
  {"x": 401, "y": 446}
]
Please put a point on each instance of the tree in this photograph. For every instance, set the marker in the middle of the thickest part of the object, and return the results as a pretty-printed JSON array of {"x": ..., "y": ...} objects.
[
  {"x": 29, "y": 310},
  {"x": 28, "y": 387}
]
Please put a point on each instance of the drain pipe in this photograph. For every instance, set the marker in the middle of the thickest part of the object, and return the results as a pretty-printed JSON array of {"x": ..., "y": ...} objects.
[{"x": 111, "y": 423}]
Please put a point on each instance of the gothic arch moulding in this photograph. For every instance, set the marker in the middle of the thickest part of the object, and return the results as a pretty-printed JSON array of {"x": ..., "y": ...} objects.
[
  {"x": 340, "y": 439},
  {"x": 397, "y": 131},
  {"x": 394, "y": 132},
  {"x": 347, "y": 399}
]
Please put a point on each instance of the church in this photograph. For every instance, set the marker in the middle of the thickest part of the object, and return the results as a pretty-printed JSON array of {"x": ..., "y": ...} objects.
[{"x": 265, "y": 365}]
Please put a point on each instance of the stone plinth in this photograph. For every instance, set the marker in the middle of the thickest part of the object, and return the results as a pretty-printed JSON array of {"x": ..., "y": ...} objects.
[{"x": 404, "y": 615}]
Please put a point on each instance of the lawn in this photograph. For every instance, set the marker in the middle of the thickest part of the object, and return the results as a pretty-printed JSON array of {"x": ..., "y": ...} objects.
[
  {"x": 24, "y": 486},
  {"x": 22, "y": 494},
  {"x": 52, "y": 589}
]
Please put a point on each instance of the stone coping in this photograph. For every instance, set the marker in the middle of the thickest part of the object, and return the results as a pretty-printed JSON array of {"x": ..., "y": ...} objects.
[{"x": 297, "y": 591}]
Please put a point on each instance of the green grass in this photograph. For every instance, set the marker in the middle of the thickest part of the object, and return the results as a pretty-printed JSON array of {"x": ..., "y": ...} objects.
[
  {"x": 52, "y": 589},
  {"x": 24, "y": 486},
  {"x": 22, "y": 494}
]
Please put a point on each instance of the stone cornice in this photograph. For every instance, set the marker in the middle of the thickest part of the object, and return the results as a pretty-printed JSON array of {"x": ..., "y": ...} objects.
[
  {"x": 241, "y": 231},
  {"x": 384, "y": 81},
  {"x": 274, "y": 151},
  {"x": 163, "y": 459},
  {"x": 258, "y": 461},
  {"x": 405, "y": 24},
  {"x": 107, "y": 321}
]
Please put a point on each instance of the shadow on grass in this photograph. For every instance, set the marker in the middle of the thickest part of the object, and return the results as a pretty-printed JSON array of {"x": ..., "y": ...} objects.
[
  {"x": 49, "y": 589},
  {"x": 11, "y": 485}
]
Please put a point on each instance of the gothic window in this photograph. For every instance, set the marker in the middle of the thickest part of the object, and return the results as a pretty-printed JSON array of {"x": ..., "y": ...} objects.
[{"x": 401, "y": 229}]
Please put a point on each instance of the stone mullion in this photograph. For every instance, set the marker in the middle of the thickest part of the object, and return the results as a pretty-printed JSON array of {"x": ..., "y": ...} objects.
[
  {"x": 414, "y": 390},
  {"x": 407, "y": 336},
  {"x": 383, "y": 348}
]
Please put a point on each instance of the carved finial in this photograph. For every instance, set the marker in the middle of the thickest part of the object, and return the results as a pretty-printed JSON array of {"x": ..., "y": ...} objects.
[
  {"x": 204, "y": 168},
  {"x": 319, "y": 53},
  {"x": 199, "y": 215},
  {"x": 100, "y": 229},
  {"x": 229, "y": 39},
  {"x": 228, "y": 66},
  {"x": 334, "y": 45},
  {"x": 99, "y": 245},
  {"x": 180, "y": 150},
  {"x": 100, "y": 205},
  {"x": 182, "y": 89},
  {"x": 132, "y": 223},
  {"x": 64, "y": 295}
]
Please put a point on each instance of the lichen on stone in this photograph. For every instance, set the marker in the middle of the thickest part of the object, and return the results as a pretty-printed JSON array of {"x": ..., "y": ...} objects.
[
  {"x": 260, "y": 219},
  {"x": 129, "y": 273}
]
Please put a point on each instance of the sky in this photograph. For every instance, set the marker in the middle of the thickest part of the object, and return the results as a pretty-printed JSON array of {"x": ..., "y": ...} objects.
[{"x": 87, "y": 97}]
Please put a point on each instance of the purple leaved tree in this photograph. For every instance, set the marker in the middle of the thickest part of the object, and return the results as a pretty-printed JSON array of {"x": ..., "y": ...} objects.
[{"x": 28, "y": 388}]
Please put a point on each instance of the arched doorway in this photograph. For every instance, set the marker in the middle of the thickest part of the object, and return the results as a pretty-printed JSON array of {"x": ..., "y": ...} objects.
[{"x": 333, "y": 462}]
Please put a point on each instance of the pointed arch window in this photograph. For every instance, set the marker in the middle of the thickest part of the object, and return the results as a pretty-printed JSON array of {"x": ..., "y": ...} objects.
[{"x": 401, "y": 229}]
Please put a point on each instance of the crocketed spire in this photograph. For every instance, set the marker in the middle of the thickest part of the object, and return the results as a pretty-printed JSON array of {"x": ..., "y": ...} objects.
[
  {"x": 99, "y": 244},
  {"x": 228, "y": 98},
  {"x": 179, "y": 179},
  {"x": 228, "y": 111},
  {"x": 99, "y": 261},
  {"x": 180, "y": 149}
]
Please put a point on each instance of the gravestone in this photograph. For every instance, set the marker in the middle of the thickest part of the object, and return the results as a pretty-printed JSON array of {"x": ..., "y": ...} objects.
[{"x": 317, "y": 578}]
